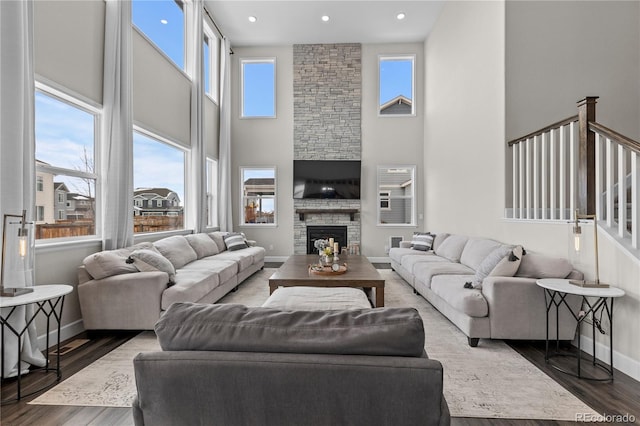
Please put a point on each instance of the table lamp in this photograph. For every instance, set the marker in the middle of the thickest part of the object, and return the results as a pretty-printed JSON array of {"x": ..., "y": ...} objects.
[
  {"x": 577, "y": 243},
  {"x": 17, "y": 247}
]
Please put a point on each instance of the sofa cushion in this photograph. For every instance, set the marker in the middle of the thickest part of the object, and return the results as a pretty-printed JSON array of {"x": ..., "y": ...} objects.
[
  {"x": 540, "y": 266},
  {"x": 422, "y": 241},
  {"x": 467, "y": 300},
  {"x": 146, "y": 260},
  {"x": 476, "y": 251},
  {"x": 439, "y": 238},
  {"x": 451, "y": 248},
  {"x": 218, "y": 238},
  {"x": 191, "y": 285},
  {"x": 509, "y": 265},
  {"x": 202, "y": 244},
  {"x": 425, "y": 271},
  {"x": 107, "y": 263},
  {"x": 177, "y": 250},
  {"x": 244, "y": 257},
  {"x": 235, "y": 241},
  {"x": 490, "y": 262},
  {"x": 238, "y": 328},
  {"x": 397, "y": 253},
  {"x": 225, "y": 269},
  {"x": 409, "y": 262}
]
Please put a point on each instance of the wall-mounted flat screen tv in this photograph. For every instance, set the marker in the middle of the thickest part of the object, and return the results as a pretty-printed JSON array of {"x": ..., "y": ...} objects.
[{"x": 332, "y": 179}]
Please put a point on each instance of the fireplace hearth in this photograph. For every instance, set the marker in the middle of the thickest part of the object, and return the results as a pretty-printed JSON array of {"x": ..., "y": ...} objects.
[{"x": 338, "y": 233}]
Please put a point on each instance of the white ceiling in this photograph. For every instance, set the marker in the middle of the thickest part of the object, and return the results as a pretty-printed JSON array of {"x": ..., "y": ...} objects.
[{"x": 298, "y": 22}]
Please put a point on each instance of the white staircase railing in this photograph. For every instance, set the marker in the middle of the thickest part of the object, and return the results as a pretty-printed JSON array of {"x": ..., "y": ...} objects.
[{"x": 574, "y": 165}]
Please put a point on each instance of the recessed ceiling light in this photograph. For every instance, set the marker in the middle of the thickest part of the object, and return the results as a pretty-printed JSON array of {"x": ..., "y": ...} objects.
[
  {"x": 252, "y": 19},
  {"x": 325, "y": 18},
  {"x": 400, "y": 16},
  {"x": 164, "y": 21}
]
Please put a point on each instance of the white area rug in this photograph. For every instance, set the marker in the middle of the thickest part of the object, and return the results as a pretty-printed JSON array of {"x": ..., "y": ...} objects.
[{"x": 489, "y": 381}]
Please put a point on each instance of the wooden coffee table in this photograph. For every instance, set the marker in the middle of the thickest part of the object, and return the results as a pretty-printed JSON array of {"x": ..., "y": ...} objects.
[{"x": 360, "y": 273}]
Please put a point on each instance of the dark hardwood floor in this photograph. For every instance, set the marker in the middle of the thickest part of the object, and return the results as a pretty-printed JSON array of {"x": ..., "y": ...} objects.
[{"x": 620, "y": 397}]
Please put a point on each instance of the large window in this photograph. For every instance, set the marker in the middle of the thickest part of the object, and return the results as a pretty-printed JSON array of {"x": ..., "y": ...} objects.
[
  {"x": 396, "y": 84},
  {"x": 258, "y": 77},
  {"x": 396, "y": 194},
  {"x": 258, "y": 195},
  {"x": 211, "y": 49},
  {"x": 162, "y": 21},
  {"x": 65, "y": 133},
  {"x": 158, "y": 196},
  {"x": 212, "y": 192}
]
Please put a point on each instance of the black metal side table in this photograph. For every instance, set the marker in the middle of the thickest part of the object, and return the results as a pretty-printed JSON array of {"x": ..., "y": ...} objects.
[
  {"x": 556, "y": 291},
  {"x": 49, "y": 300}
]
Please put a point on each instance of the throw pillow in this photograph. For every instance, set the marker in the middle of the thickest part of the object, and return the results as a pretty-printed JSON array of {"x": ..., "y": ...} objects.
[
  {"x": 107, "y": 263},
  {"x": 202, "y": 244},
  {"x": 234, "y": 241},
  {"x": 540, "y": 266},
  {"x": 509, "y": 265},
  {"x": 422, "y": 241},
  {"x": 149, "y": 260},
  {"x": 489, "y": 263}
]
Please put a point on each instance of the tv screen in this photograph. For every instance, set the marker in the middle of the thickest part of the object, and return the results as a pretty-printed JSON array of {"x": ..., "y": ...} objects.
[{"x": 332, "y": 179}]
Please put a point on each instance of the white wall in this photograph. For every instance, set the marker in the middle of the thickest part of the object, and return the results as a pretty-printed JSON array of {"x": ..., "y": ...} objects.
[
  {"x": 266, "y": 142},
  {"x": 583, "y": 49},
  {"x": 479, "y": 71},
  {"x": 388, "y": 140},
  {"x": 464, "y": 119}
]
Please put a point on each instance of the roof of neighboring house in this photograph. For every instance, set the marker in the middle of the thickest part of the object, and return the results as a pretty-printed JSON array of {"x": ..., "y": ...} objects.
[
  {"x": 154, "y": 192},
  {"x": 60, "y": 186},
  {"x": 78, "y": 197},
  {"x": 260, "y": 181},
  {"x": 400, "y": 99}
]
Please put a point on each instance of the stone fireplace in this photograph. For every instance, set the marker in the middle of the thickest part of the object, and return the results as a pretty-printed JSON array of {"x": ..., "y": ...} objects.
[{"x": 327, "y": 98}]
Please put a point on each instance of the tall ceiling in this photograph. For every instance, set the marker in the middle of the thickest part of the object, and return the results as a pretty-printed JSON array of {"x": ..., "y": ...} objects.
[{"x": 299, "y": 21}]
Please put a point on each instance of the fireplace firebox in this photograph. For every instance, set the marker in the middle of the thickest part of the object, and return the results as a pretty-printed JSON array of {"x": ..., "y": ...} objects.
[{"x": 338, "y": 233}]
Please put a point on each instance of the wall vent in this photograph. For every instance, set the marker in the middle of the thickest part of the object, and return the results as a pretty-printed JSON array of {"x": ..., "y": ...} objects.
[{"x": 395, "y": 241}]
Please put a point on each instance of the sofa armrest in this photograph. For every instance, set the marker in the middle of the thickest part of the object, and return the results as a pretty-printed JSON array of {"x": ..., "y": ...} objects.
[
  {"x": 517, "y": 310},
  {"x": 123, "y": 302},
  {"x": 405, "y": 244}
]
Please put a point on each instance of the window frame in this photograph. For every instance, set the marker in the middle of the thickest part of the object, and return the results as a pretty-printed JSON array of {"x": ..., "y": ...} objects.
[
  {"x": 214, "y": 63},
  {"x": 242, "y": 221},
  {"x": 380, "y": 189},
  {"x": 398, "y": 57},
  {"x": 70, "y": 98},
  {"x": 242, "y": 63}
]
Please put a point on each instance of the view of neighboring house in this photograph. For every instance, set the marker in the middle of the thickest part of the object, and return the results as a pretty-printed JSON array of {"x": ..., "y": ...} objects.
[
  {"x": 60, "y": 200},
  {"x": 80, "y": 206},
  {"x": 45, "y": 209},
  {"x": 400, "y": 105},
  {"x": 156, "y": 202}
]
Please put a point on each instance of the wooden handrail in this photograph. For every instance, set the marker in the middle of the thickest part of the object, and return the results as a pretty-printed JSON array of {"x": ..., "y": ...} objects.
[
  {"x": 544, "y": 130},
  {"x": 615, "y": 136}
]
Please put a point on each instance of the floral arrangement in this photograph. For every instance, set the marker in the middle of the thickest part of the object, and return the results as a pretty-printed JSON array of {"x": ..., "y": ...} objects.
[{"x": 321, "y": 245}]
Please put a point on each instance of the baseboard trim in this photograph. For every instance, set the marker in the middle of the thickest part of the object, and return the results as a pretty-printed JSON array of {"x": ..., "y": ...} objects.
[
  {"x": 66, "y": 332},
  {"x": 621, "y": 362}
]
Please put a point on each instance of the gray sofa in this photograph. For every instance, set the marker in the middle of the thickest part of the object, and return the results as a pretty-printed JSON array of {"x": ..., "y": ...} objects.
[
  {"x": 504, "y": 301},
  {"x": 233, "y": 365},
  {"x": 130, "y": 292}
]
